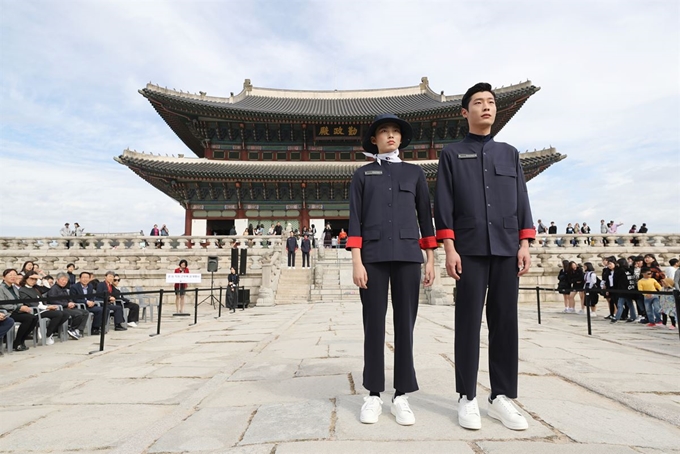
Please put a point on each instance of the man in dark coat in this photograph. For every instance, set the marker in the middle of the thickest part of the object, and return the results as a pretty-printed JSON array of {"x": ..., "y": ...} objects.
[
  {"x": 305, "y": 247},
  {"x": 291, "y": 247},
  {"x": 483, "y": 217},
  {"x": 389, "y": 211}
]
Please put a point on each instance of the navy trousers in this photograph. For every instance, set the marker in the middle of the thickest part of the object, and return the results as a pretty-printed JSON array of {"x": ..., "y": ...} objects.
[
  {"x": 404, "y": 278},
  {"x": 499, "y": 274}
]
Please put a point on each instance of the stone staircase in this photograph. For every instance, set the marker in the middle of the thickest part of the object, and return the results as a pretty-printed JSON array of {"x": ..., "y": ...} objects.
[{"x": 294, "y": 285}]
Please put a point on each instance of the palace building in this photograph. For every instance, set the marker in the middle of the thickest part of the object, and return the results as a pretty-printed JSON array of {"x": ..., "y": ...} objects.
[{"x": 269, "y": 155}]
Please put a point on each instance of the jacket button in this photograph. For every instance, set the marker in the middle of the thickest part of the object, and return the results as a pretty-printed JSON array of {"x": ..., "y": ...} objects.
[
  {"x": 389, "y": 238},
  {"x": 389, "y": 204}
]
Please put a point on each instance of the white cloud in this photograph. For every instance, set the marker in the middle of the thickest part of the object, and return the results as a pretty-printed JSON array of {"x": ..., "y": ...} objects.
[{"x": 608, "y": 71}]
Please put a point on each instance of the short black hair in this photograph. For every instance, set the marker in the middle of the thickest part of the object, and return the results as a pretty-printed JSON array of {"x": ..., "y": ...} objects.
[
  {"x": 83, "y": 272},
  {"x": 476, "y": 88},
  {"x": 645, "y": 269},
  {"x": 7, "y": 271},
  {"x": 672, "y": 262},
  {"x": 183, "y": 261},
  {"x": 70, "y": 265}
]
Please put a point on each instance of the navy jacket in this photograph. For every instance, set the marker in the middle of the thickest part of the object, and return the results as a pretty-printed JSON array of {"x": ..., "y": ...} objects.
[
  {"x": 305, "y": 245},
  {"x": 79, "y": 296},
  {"x": 291, "y": 244},
  {"x": 389, "y": 208},
  {"x": 481, "y": 198}
]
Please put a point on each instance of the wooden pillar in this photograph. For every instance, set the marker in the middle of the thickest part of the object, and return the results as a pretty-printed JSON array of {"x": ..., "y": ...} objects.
[
  {"x": 188, "y": 217},
  {"x": 304, "y": 218}
]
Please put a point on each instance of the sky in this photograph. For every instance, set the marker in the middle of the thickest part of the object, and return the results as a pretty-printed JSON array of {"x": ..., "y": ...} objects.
[{"x": 70, "y": 72}]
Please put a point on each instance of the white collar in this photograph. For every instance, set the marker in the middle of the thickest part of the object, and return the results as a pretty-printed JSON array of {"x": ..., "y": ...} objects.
[{"x": 392, "y": 156}]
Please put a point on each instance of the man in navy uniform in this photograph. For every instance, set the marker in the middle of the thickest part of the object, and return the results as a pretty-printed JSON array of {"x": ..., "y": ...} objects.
[
  {"x": 389, "y": 208},
  {"x": 483, "y": 217},
  {"x": 305, "y": 247},
  {"x": 291, "y": 247}
]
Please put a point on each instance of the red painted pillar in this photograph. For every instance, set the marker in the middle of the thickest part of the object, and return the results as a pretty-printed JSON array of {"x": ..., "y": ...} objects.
[{"x": 188, "y": 217}]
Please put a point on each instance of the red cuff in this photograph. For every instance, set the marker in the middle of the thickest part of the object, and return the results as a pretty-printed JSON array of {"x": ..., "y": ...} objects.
[
  {"x": 445, "y": 234},
  {"x": 428, "y": 242},
  {"x": 527, "y": 234},
  {"x": 354, "y": 242}
]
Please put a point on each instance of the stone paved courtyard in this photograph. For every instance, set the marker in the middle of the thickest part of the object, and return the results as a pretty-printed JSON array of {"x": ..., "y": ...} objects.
[{"x": 287, "y": 379}]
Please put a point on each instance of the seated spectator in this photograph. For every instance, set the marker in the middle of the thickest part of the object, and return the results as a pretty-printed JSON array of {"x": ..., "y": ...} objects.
[
  {"x": 133, "y": 308},
  {"x": 59, "y": 294},
  {"x": 57, "y": 317},
  {"x": 45, "y": 283},
  {"x": 6, "y": 324},
  {"x": 83, "y": 293},
  {"x": 18, "y": 311},
  {"x": 105, "y": 290}
]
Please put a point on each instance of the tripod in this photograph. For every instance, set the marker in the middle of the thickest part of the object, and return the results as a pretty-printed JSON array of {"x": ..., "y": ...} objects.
[{"x": 213, "y": 299}]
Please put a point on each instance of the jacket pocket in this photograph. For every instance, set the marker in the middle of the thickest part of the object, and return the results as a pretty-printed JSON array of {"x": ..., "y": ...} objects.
[
  {"x": 506, "y": 170},
  {"x": 409, "y": 234},
  {"x": 408, "y": 187},
  {"x": 371, "y": 235},
  {"x": 511, "y": 222},
  {"x": 466, "y": 222}
]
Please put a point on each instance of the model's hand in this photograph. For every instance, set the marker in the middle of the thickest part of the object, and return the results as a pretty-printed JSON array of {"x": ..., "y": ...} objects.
[
  {"x": 359, "y": 275},
  {"x": 429, "y": 274},
  {"x": 523, "y": 259},
  {"x": 454, "y": 266}
]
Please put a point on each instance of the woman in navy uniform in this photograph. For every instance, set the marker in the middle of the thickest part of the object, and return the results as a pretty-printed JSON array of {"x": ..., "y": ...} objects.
[
  {"x": 389, "y": 209},
  {"x": 305, "y": 247},
  {"x": 291, "y": 247},
  {"x": 482, "y": 215}
]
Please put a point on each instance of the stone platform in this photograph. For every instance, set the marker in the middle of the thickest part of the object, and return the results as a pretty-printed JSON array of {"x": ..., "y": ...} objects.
[{"x": 287, "y": 379}]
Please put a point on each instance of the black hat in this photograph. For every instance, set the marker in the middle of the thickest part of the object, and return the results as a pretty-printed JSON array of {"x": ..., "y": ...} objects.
[{"x": 406, "y": 132}]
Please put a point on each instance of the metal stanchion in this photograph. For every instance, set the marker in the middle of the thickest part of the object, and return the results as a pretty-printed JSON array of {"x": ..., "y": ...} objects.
[
  {"x": 219, "y": 305},
  {"x": 160, "y": 307},
  {"x": 195, "y": 307},
  {"x": 587, "y": 293},
  {"x": 105, "y": 322},
  {"x": 538, "y": 303}
]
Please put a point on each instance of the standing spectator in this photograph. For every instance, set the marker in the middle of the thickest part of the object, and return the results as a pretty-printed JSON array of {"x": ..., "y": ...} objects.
[
  {"x": 576, "y": 279},
  {"x": 643, "y": 228},
  {"x": 18, "y": 311},
  {"x": 156, "y": 232},
  {"x": 305, "y": 247},
  {"x": 70, "y": 268},
  {"x": 633, "y": 240},
  {"x": 342, "y": 238},
  {"x": 56, "y": 317},
  {"x": 603, "y": 227},
  {"x": 278, "y": 230},
  {"x": 541, "y": 227},
  {"x": 613, "y": 227},
  {"x": 313, "y": 236},
  {"x": 624, "y": 281},
  {"x": 291, "y": 247},
  {"x": 552, "y": 230},
  {"x": 66, "y": 231},
  {"x": 327, "y": 236},
  {"x": 649, "y": 284},
  {"x": 667, "y": 304},
  {"x": 251, "y": 230},
  {"x": 608, "y": 284},
  {"x": 653, "y": 265},
  {"x": 585, "y": 228},
  {"x": 78, "y": 230},
  {"x": 61, "y": 295},
  {"x": 563, "y": 286},
  {"x": 632, "y": 229},
  {"x": 232, "y": 230},
  {"x": 638, "y": 263},
  {"x": 673, "y": 266},
  {"x": 592, "y": 284},
  {"x": 165, "y": 231},
  {"x": 181, "y": 289},
  {"x": 232, "y": 289}
]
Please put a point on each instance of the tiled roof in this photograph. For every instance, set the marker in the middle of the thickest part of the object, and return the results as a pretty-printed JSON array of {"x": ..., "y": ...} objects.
[
  {"x": 271, "y": 104},
  {"x": 152, "y": 166}
]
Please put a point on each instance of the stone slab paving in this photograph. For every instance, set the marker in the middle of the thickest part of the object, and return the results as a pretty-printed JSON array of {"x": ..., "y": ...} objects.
[{"x": 287, "y": 379}]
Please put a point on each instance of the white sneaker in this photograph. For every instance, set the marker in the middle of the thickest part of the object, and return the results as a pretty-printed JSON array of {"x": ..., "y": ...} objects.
[
  {"x": 504, "y": 410},
  {"x": 581, "y": 312},
  {"x": 593, "y": 314},
  {"x": 571, "y": 310},
  {"x": 49, "y": 340},
  {"x": 131, "y": 325},
  {"x": 564, "y": 311},
  {"x": 402, "y": 411},
  {"x": 468, "y": 414},
  {"x": 371, "y": 409}
]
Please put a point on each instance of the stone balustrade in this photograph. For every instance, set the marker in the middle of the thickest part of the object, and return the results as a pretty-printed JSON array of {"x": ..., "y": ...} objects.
[{"x": 141, "y": 263}]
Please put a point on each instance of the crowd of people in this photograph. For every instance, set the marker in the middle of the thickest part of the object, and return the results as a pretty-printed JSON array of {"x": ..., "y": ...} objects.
[
  {"x": 629, "y": 287},
  {"x": 29, "y": 295}
]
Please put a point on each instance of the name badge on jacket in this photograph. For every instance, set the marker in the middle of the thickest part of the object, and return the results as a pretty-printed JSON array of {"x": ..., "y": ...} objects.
[
  {"x": 467, "y": 156},
  {"x": 373, "y": 172}
]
